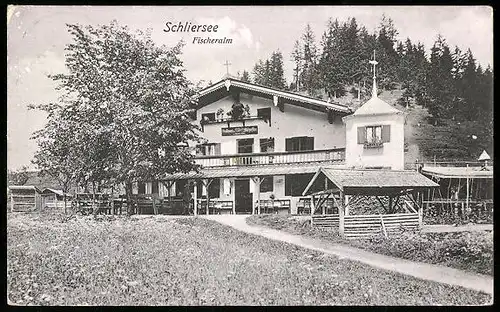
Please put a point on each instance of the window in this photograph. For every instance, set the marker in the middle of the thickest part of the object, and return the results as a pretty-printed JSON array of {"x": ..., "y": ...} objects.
[
  {"x": 209, "y": 149},
  {"x": 141, "y": 188},
  {"x": 208, "y": 117},
  {"x": 264, "y": 113},
  {"x": 154, "y": 187},
  {"x": 299, "y": 144},
  {"x": 267, "y": 145},
  {"x": 214, "y": 188},
  {"x": 267, "y": 184},
  {"x": 374, "y": 134},
  {"x": 180, "y": 187},
  {"x": 295, "y": 184},
  {"x": 245, "y": 146}
]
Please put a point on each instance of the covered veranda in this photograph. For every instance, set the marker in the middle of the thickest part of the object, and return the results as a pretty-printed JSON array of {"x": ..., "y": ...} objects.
[
  {"x": 398, "y": 193},
  {"x": 258, "y": 174},
  {"x": 464, "y": 192}
]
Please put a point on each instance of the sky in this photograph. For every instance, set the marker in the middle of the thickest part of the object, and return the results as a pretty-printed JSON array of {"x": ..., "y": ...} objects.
[{"x": 37, "y": 36}]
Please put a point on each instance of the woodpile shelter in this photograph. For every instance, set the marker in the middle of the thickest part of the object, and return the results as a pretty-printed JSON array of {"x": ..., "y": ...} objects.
[
  {"x": 398, "y": 192},
  {"x": 24, "y": 198}
]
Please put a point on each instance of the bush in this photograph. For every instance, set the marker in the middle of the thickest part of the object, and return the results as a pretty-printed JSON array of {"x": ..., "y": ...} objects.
[{"x": 470, "y": 251}]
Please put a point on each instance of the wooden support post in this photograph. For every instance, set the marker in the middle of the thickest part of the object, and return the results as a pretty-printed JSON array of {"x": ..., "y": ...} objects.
[
  {"x": 11, "y": 202},
  {"x": 313, "y": 207},
  {"x": 383, "y": 226},
  {"x": 390, "y": 205},
  {"x": 346, "y": 206},
  {"x": 257, "y": 182},
  {"x": 195, "y": 199},
  {"x": 232, "y": 186},
  {"x": 168, "y": 185},
  {"x": 420, "y": 210},
  {"x": 207, "y": 187},
  {"x": 341, "y": 214},
  {"x": 467, "y": 195}
]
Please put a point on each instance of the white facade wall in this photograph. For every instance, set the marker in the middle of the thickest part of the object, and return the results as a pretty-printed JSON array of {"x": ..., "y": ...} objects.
[
  {"x": 390, "y": 155},
  {"x": 294, "y": 121}
]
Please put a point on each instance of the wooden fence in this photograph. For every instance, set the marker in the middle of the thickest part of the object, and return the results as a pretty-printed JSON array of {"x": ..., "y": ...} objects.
[
  {"x": 365, "y": 226},
  {"x": 326, "y": 221}
]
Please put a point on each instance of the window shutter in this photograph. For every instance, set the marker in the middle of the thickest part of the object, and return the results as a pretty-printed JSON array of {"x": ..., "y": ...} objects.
[
  {"x": 288, "y": 145},
  {"x": 217, "y": 149},
  {"x": 386, "y": 133},
  {"x": 361, "y": 135},
  {"x": 309, "y": 143}
]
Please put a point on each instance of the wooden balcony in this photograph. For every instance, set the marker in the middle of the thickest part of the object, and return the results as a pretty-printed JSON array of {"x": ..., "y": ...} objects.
[{"x": 334, "y": 155}]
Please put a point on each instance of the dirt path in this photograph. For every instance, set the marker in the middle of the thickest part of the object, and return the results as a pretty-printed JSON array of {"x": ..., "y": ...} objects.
[{"x": 424, "y": 271}]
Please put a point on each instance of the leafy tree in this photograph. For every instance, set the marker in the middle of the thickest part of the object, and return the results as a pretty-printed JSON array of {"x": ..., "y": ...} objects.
[
  {"x": 19, "y": 176},
  {"x": 126, "y": 103},
  {"x": 59, "y": 154}
]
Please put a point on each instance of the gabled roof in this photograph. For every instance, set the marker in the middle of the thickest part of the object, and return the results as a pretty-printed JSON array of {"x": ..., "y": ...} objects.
[
  {"x": 459, "y": 172},
  {"x": 24, "y": 187},
  {"x": 54, "y": 191},
  {"x": 376, "y": 106},
  {"x": 484, "y": 156},
  {"x": 370, "y": 179},
  {"x": 290, "y": 97}
]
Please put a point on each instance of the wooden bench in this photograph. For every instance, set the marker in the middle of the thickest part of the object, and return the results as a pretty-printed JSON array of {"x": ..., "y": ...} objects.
[
  {"x": 273, "y": 206},
  {"x": 304, "y": 206},
  {"x": 216, "y": 206}
]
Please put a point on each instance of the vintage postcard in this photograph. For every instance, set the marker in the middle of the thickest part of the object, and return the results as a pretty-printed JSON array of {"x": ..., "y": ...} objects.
[{"x": 253, "y": 155}]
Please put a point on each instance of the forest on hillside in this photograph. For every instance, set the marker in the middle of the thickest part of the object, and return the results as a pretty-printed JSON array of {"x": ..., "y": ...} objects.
[{"x": 449, "y": 83}]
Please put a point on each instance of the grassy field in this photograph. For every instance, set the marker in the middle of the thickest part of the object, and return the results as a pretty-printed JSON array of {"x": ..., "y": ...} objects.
[
  {"x": 191, "y": 261},
  {"x": 470, "y": 251}
]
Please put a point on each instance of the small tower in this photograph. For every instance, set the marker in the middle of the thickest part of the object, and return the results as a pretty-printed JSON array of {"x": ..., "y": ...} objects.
[
  {"x": 375, "y": 133},
  {"x": 484, "y": 157}
]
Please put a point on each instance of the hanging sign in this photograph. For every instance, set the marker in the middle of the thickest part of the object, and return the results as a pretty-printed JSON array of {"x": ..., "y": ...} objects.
[{"x": 239, "y": 130}]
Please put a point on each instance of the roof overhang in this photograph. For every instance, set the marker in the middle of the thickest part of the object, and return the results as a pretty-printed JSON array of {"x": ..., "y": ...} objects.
[
  {"x": 372, "y": 182},
  {"x": 223, "y": 87},
  {"x": 459, "y": 172},
  {"x": 246, "y": 171}
]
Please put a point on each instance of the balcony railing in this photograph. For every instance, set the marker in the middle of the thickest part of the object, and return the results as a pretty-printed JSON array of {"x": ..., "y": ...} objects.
[{"x": 334, "y": 155}]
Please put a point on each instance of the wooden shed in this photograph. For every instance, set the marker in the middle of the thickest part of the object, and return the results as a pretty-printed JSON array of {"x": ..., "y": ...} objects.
[
  {"x": 24, "y": 198},
  {"x": 399, "y": 193},
  {"x": 52, "y": 198}
]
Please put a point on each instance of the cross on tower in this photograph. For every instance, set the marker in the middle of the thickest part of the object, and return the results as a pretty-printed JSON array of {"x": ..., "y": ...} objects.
[
  {"x": 227, "y": 66},
  {"x": 374, "y": 63}
]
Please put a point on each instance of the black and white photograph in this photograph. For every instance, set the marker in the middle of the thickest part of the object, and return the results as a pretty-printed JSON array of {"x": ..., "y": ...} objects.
[{"x": 249, "y": 155}]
